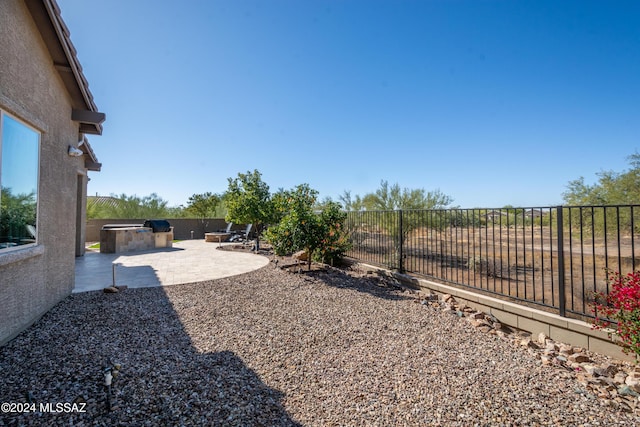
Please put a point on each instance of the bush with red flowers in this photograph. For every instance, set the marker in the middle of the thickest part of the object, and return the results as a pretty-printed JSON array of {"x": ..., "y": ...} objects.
[{"x": 620, "y": 309}]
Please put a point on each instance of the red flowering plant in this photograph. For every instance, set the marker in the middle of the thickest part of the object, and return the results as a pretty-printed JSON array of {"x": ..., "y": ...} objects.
[{"x": 620, "y": 309}]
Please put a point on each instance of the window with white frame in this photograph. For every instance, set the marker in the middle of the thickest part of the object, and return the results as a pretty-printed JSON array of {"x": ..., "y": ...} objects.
[{"x": 19, "y": 160}]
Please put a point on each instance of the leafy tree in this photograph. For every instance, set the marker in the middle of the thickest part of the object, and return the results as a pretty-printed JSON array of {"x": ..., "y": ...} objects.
[
  {"x": 176, "y": 212},
  {"x": 96, "y": 207},
  {"x": 322, "y": 204},
  {"x": 279, "y": 205},
  {"x": 249, "y": 202},
  {"x": 612, "y": 188},
  {"x": 151, "y": 206},
  {"x": 204, "y": 206},
  {"x": 392, "y": 197},
  {"x": 129, "y": 207},
  {"x": 335, "y": 242},
  {"x": 354, "y": 203},
  {"x": 301, "y": 227}
]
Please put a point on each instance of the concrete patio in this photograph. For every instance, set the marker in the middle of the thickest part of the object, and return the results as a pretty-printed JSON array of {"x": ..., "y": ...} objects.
[{"x": 187, "y": 261}]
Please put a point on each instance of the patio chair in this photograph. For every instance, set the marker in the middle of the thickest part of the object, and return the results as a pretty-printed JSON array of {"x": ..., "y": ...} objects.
[
  {"x": 226, "y": 230},
  {"x": 241, "y": 236},
  {"x": 31, "y": 231}
]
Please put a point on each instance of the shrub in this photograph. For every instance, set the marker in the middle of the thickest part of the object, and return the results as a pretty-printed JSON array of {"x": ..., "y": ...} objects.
[
  {"x": 622, "y": 306},
  {"x": 301, "y": 228},
  {"x": 334, "y": 242}
]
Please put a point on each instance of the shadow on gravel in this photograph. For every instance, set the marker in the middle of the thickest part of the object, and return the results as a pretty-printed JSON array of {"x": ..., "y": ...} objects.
[
  {"x": 163, "y": 379},
  {"x": 378, "y": 285}
]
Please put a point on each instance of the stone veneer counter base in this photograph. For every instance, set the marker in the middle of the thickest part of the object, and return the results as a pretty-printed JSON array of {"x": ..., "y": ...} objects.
[{"x": 130, "y": 239}]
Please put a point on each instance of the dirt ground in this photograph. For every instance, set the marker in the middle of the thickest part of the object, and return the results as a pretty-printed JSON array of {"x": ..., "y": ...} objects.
[{"x": 287, "y": 263}]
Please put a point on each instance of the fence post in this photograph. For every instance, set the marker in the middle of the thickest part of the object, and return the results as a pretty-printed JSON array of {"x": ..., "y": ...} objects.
[
  {"x": 400, "y": 242},
  {"x": 561, "y": 284}
]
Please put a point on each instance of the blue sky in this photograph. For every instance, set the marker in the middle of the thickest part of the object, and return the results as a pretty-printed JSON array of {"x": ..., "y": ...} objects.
[{"x": 491, "y": 102}]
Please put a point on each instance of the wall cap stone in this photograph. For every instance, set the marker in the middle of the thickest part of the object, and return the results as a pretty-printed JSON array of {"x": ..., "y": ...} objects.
[{"x": 18, "y": 255}]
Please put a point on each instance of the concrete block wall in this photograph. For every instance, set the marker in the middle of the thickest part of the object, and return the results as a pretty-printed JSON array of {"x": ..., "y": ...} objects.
[{"x": 182, "y": 227}]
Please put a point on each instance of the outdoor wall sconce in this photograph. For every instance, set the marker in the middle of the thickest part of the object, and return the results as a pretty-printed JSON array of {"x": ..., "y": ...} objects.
[{"x": 74, "y": 152}]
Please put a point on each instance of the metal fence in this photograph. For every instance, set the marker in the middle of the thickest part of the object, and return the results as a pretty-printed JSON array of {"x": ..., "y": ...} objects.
[{"x": 552, "y": 257}]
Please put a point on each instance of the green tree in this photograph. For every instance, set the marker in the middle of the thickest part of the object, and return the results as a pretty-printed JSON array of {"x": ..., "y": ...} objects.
[
  {"x": 279, "y": 205},
  {"x": 389, "y": 200},
  {"x": 335, "y": 241},
  {"x": 392, "y": 197},
  {"x": 249, "y": 202},
  {"x": 350, "y": 203},
  {"x": 96, "y": 207},
  {"x": 302, "y": 227},
  {"x": 612, "y": 188},
  {"x": 129, "y": 207},
  {"x": 204, "y": 206}
]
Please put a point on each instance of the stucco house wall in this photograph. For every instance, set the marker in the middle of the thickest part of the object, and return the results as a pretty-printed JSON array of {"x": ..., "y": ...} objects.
[{"x": 36, "y": 277}]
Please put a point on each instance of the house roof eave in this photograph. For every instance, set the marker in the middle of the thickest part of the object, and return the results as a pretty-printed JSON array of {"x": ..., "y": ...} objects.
[
  {"x": 90, "y": 160},
  {"x": 55, "y": 34}
]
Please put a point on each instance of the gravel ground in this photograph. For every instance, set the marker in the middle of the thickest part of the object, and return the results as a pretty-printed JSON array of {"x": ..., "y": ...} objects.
[{"x": 274, "y": 348}]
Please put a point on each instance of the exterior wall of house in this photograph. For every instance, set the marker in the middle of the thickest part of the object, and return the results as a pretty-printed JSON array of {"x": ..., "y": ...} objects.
[
  {"x": 33, "y": 279},
  {"x": 81, "y": 213}
]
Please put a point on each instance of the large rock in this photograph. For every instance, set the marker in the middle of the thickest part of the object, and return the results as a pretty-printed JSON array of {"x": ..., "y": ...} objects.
[
  {"x": 579, "y": 358},
  {"x": 633, "y": 381},
  {"x": 566, "y": 349},
  {"x": 301, "y": 256},
  {"x": 526, "y": 342},
  {"x": 542, "y": 339}
]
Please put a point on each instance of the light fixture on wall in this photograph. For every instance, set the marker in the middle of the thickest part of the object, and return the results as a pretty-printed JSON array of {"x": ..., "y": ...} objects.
[{"x": 74, "y": 152}]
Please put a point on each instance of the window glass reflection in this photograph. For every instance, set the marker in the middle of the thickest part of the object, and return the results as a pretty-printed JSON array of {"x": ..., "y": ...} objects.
[{"x": 19, "y": 152}]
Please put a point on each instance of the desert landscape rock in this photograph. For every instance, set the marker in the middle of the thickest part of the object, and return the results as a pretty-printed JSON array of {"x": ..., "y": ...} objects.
[{"x": 328, "y": 347}]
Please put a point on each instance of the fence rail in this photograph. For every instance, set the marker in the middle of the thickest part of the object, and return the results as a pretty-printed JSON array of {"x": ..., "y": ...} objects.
[{"x": 552, "y": 257}]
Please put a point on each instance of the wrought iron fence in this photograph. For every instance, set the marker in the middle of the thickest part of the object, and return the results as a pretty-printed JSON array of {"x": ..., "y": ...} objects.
[{"x": 553, "y": 257}]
